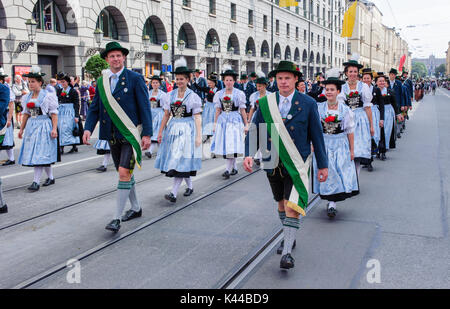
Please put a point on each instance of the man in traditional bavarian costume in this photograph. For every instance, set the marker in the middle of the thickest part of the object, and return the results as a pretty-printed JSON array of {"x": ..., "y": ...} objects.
[
  {"x": 4, "y": 103},
  {"x": 8, "y": 140},
  {"x": 121, "y": 105},
  {"x": 293, "y": 122}
]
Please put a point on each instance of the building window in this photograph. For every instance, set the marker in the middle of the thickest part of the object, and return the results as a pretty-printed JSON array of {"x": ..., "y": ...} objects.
[
  {"x": 318, "y": 40},
  {"x": 288, "y": 30},
  {"x": 48, "y": 16},
  {"x": 265, "y": 22},
  {"x": 349, "y": 48},
  {"x": 323, "y": 42},
  {"x": 297, "y": 33},
  {"x": 233, "y": 11},
  {"x": 108, "y": 25},
  {"x": 318, "y": 14},
  {"x": 312, "y": 38},
  {"x": 323, "y": 17},
  {"x": 304, "y": 9},
  {"x": 212, "y": 7},
  {"x": 150, "y": 30},
  {"x": 250, "y": 17},
  {"x": 187, "y": 3},
  {"x": 277, "y": 27},
  {"x": 304, "y": 35}
]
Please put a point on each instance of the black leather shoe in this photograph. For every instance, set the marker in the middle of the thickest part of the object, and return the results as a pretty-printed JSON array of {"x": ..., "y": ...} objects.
[
  {"x": 34, "y": 187},
  {"x": 170, "y": 197},
  {"x": 226, "y": 175},
  {"x": 101, "y": 168},
  {"x": 234, "y": 172},
  {"x": 370, "y": 167},
  {"x": 113, "y": 226},
  {"x": 383, "y": 157},
  {"x": 281, "y": 247},
  {"x": 9, "y": 162},
  {"x": 3, "y": 209},
  {"x": 287, "y": 261},
  {"x": 258, "y": 162},
  {"x": 188, "y": 192},
  {"x": 331, "y": 212},
  {"x": 131, "y": 214},
  {"x": 399, "y": 135},
  {"x": 74, "y": 149},
  {"x": 148, "y": 155},
  {"x": 49, "y": 182}
]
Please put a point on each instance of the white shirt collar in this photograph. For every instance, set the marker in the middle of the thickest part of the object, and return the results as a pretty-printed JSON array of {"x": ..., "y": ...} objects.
[
  {"x": 118, "y": 73},
  {"x": 289, "y": 97}
]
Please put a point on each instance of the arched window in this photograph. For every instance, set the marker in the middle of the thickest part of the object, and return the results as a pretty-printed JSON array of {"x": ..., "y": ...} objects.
[
  {"x": 48, "y": 16},
  {"x": 150, "y": 30},
  {"x": 108, "y": 25}
]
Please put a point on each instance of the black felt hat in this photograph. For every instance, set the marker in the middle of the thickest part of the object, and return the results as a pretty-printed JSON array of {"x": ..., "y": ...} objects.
[
  {"x": 111, "y": 46},
  {"x": 286, "y": 66}
]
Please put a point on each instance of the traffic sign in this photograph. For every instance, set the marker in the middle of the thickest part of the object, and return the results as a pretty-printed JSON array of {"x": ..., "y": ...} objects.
[{"x": 166, "y": 54}]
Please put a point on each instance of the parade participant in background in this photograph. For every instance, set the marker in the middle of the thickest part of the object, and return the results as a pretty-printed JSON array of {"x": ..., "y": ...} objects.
[
  {"x": 51, "y": 87},
  {"x": 4, "y": 103},
  {"x": 230, "y": 123},
  {"x": 40, "y": 121},
  {"x": 121, "y": 106},
  {"x": 209, "y": 109},
  {"x": 157, "y": 96},
  {"x": 391, "y": 110},
  {"x": 92, "y": 90},
  {"x": 409, "y": 86},
  {"x": 318, "y": 89},
  {"x": 358, "y": 97},
  {"x": 164, "y": 81},
  {"x": 69, "y": 114},
  {"x": 198, "y": 84},
  {"x": 396, "y": 88},
  {"x": 301, "y": 85},
  {"x": 20, "y": 89},
  {"x": 180, "y": 152},
  {"x": 8, "y": 138},
  {"x": 296, "y": 121},
  {"x": 272, "y": 87},
  {"x": 84, "y": 93},
  {"x": 367, "y": 78},
  {"x": 253, "y": 77},
  {"x": 261, "y": 85},
  {"x": 338, "y": 126},
  {"x": 248, "y": 88}
]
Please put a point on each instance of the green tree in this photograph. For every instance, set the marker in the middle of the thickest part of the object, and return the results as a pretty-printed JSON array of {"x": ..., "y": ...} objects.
[
  {"x": 95, "y": 65},
  {"x": 440, "y": 69},
  {"x": 419, "y": 69}
]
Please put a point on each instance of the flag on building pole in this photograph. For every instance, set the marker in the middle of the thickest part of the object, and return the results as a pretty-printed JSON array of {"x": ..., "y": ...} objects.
[
  {"x": 402, "y": 63},
  {"x": 349, "y": 21},
  {"x": 286, "y": 3}
]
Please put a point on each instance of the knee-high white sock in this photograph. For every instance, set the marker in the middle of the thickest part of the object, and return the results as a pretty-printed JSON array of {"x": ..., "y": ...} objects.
[
  {"x": 106, "y": 159},
  {"x": 176, "y": 185},
  {"x": 152, "y": 147},
  {"x": 10, "y": 153},
  {"x": 234, "y": 164},
  {"x": 290, "y": 228},
  {"x": 123, "y": 192},
  {"x": 49, "y": 171},
  {"x": 37, "y": 174},
  {"x": 133, "y": 197},
  {"x": 358, "y": 168},
  {"x": 188, "y": 182},
  {"x": 229, "y": 165},
  {"x": 332, "y": 205},
  {"x": 1, "y": 194}
]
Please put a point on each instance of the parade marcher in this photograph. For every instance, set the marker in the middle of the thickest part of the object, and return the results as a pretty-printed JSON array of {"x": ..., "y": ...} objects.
[
  {"x": 103, "y": 149},
  {"x": 391, "y": 112},
  {"x": 40, "y": 121},
  {"x": 4, "y": 103},
  {"x": 301, "y": 85},
  {"x": 261, "y": 86},
  {"x": 198, "y": 84},
  {"x": 230, "y": 123},
  {"x": 180, "y": 151},
  {"x": 253, "y": 77},
  {"x": 121, "y": 106},
  {"x": 358, "y": 97},
  {"x": 69, "y": 114},
  {"x": 296, "y": 121},
  {"x": 338, "y": 125},
  {"x": 20, "y": 89},
  {"x": 367, "y": 78},
  {"x": 8, "y": 138},
  {"x": 157, "y": 96},
  {"x": 396, "y": 88},
  {"x": 318, "y": 89},
  {"x": 209, "y": 110},
  {"x": 248, "y": 88},
  {"x": 272, "y": 87},
  {"x": 84, "y": 93}
]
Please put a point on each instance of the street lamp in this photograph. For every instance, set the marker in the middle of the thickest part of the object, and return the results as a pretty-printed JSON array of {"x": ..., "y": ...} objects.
[
  {"x": 146, "y": 43},
  {"x": 181, "y": 45},
  {"x": 278, "y": 57},
  {"x": 231, "y": 51},
  {"x": 98, "y": 36},
  {"x": 31, "y": 27},
  {"x": 215, "y": 49}
]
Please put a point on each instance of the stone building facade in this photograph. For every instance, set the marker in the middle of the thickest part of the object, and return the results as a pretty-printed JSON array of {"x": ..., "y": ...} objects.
[
  {"x": 380, "y": 47},
  {"x": 447, "y": 65},
  {"x": 65, "y": 33}
]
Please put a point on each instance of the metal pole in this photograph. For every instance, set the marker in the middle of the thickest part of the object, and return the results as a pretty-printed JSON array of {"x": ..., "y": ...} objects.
[
  {"x": 332, "y": 33},
  {"x": 371, "y": 29},
  {"x": 173, "y": 33},
  {"x": 309, "y": 40},
  {"x": 271, "y": 42}
]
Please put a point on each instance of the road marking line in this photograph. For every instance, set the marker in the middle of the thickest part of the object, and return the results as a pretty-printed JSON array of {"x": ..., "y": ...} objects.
[{"x": 56, "y": 165}]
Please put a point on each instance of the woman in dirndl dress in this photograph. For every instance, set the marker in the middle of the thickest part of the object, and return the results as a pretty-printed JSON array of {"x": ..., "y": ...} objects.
[
  {"x": 180, "y": 152},
  {"x": 209, "y": 109},
  {"x": 157, "y": 96},
  {"x": 338, "y": 122},
  {"x": 391, "y": 112},
  {"x": 102, "y": 147},
  {"x": 358, "y": 97},
  {"x": 68, "y": 114},
  {"x": 40, "y": 120},
  {"x": 230, "y": 124},
  {"x": 8, "y": 139},
  {"x": 261, "y": 87}
]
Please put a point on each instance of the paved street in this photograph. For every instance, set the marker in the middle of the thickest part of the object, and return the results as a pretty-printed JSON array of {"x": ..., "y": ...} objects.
[{"x": 400, "y": 219}]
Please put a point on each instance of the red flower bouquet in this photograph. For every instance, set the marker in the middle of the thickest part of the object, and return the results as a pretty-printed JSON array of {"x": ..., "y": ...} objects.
[
  {"x": 211, "y": 92},
  {"x": 227, "y": 99},
  {"x": 63, "y": 94},
  {"x": 178, "y": 103},
  {"x": 331, "y": 118},
  {"x": 31, "y": 105},
  {"x": 152, "y": 99},
  {"x": 321, "y": 95},
  {"x": 353, "y": 94}
]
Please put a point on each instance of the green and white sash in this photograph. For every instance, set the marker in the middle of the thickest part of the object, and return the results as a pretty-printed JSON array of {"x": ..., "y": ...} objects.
[
  {"x": 2, "y": 133},
  {"x": 120, "y": 119},
  {"x": 298, "y": 169}
]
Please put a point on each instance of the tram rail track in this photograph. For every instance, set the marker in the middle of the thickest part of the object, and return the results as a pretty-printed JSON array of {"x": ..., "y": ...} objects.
[{"x": 120, "y": 237}]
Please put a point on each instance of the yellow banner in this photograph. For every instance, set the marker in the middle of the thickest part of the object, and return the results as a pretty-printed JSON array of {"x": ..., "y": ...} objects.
[
  {"x": 286, "y": 3},
  {"x": 349, "y": 21}
]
